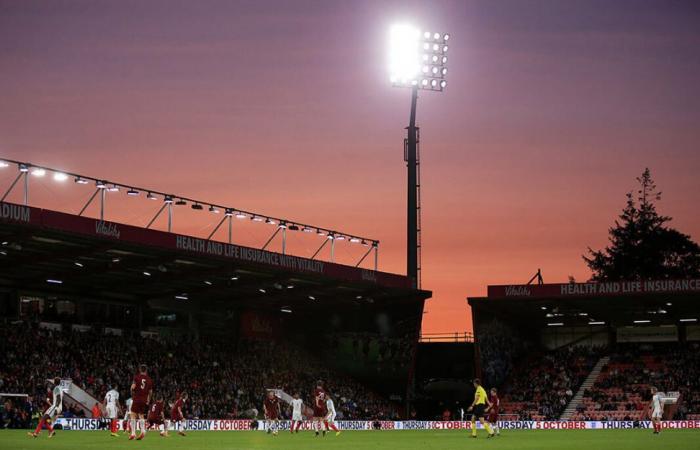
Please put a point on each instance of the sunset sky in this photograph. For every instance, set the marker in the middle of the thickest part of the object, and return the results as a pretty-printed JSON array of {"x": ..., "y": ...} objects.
[{"x": 551, "y": 110}]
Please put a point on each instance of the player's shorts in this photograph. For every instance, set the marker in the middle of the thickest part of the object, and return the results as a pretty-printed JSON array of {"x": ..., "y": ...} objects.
[
  {"x": 271, "y": 417},
  {"x": 52, "y": 411},
  {"x": 111, "y": 411},
  {"x": 139, "y": 407},
  {"x": 330, "y": 417},
  {"x": 478, "y": 411},
  {"x": 297, "y": 417},
  {"x": 657, "y": 414},
  {"x": 320, "y": 413},
  {"x": 176, "y": 417},
  {"x": 493, "y": 416},
  {"x": 155, "y": 421}
]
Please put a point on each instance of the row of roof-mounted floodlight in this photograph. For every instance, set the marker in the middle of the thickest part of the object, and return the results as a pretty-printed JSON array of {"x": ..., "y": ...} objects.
[{"x": 170, "y": 199}]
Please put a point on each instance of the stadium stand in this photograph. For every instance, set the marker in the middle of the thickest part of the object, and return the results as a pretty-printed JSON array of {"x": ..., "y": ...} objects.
[
  {"x": 223, "y": 379},
  {"x": 621, "y": 391},
  {"x": 544, "y": 383}
]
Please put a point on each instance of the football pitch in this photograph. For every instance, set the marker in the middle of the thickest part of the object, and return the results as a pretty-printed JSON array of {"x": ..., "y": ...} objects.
[{"x": 360, "y": 440}]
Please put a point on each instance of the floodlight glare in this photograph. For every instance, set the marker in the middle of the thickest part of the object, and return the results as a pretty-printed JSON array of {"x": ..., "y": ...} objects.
[
  {"x": 436, "y": 36},
  {"x": 404, "y": 53},
  {"x": 38, "y": 172},
  {"x": 446, "y": 37},
  {"x": 443, "y": 84},
  {"x": 60, "y": 176}
]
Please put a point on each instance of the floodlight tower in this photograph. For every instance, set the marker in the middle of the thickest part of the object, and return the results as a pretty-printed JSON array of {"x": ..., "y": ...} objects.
[{"x": 417, "y": 60}]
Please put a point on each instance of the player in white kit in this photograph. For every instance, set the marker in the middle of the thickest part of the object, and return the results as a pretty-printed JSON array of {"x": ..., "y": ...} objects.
[
  {"x": 297, "y": 405},
  {"x": 111, "y": 403},
  {"x": 330, "y": 418},
  {"x": 54, "y": 403},
  {"x": 657, "y": 409}
]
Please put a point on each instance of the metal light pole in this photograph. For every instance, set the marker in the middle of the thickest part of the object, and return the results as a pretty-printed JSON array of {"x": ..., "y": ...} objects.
[
  {"x": 413, "y": 202},
  {"x": 418, "y": 61}
]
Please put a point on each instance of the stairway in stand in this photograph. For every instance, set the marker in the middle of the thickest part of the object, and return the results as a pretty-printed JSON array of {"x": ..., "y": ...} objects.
[{"x": 587, "y": 384}]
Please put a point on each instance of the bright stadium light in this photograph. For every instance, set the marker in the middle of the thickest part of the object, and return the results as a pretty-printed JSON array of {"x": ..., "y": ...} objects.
[
  {"x": 28, "y": 172},
  {"x": 404, "y": 53},
  {"x": 409, "y": 49}
]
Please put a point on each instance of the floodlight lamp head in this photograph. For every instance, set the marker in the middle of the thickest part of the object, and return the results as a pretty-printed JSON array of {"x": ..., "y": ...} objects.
[
  {"x": 416, "y": 58},
  {"x": 404, "y": 53}
]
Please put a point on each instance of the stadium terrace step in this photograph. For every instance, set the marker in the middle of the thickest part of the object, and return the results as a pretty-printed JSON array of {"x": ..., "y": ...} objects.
[
  {"x": 575, "y": 402},
  {"x": 75, "y": 396}
]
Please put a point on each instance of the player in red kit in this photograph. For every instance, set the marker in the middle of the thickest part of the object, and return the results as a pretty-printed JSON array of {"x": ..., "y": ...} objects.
[
  {"x": 493, "y": 410},
  {"x": 271, "y": 407},
  {"x": 141, "y": 389},
  {"x": 156, "y": 416},
  {"x": 176, "y": 414},
  {"x": 320, "y": 408}
]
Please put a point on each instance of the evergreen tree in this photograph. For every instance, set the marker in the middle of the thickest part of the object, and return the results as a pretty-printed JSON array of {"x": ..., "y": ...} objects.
[{"x": 642, "y": 246}]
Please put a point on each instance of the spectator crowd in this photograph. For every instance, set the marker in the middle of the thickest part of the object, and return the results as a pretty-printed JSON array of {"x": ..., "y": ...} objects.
[
  {"x": 622, "y": 390},
  {"x": 223, "y": 379},
  {"x": 545, "y": 383}
]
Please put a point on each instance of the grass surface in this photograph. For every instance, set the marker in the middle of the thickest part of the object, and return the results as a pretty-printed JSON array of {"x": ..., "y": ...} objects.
[{"x": 370, "y": 440}]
